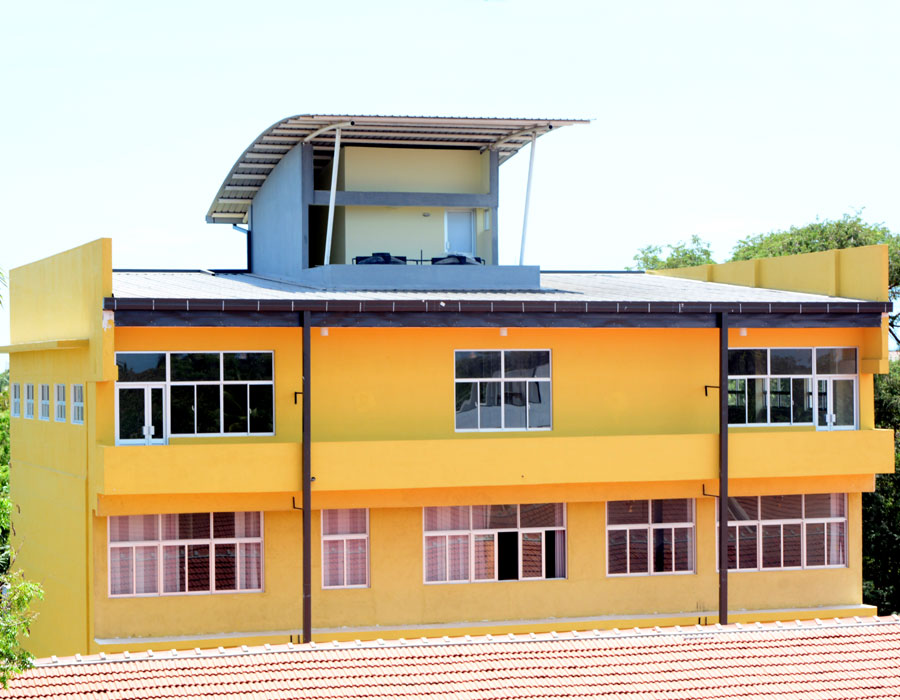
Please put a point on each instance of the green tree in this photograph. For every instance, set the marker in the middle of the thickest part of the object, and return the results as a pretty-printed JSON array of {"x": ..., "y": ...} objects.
[{"x": 680, "y": 255}]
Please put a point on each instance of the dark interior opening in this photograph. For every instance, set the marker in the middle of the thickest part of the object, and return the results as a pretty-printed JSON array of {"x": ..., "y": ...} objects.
[{"x": 507, "y": 556}]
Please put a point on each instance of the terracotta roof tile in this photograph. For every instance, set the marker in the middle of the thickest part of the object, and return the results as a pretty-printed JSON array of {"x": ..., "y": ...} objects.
[{"x": 810, "y": 660}]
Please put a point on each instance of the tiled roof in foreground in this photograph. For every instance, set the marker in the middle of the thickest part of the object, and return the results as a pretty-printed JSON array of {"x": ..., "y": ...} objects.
[{"x": 849, "y": 658}]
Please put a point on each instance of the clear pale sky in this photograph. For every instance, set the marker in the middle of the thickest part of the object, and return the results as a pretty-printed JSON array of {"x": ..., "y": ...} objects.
[{"x": 722, "y": 119}]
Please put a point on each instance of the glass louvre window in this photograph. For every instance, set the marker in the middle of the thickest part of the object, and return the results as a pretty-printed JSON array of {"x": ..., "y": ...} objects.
[
  {"x": 503, "y": 390},
  {"x": 45, "y": 402},
  {"x": 345, "y": 548},
  {"x": 787, "y": 532},
  {"x": 60, "y": 403},
  {"x": 78, "y": 403},
  {"x": 650, "y": 537},
  {"x": 29, "y": 400},
  {"x": 494, "y": 543},
  {"x": 185, "y": 553},
  {"x": 784, "y": 386},
  {"x": 15, "y": 393}
]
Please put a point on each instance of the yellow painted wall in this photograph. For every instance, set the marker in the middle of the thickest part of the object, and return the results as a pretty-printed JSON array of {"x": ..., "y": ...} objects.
[{"x": 366, "y": 169}]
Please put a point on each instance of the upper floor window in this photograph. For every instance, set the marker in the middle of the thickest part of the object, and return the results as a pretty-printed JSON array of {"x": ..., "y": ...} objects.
[
  {"x": 345, "y": 548},
  {"x": 650, "y": 537},
  {"x": 194, "y": 393},
  {"x": 78, "y": 404},
  {"x": 502, "y": 390},
  {"x": 495, "y": 543},
  {"x": 787, "y": 532},
  {"x": 15, "y": 392},
  {"x": 29, "y": 400},
  {"x": 45, "y": 402},
  {"x": 182, "y": 553},
  {"x": 793, "y": 386},
  {"x": 60, "y": 404}
]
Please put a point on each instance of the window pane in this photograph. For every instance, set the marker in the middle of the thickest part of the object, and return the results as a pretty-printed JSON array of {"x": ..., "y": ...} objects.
[
  {"x": 198, "y": 567},
  {"x": 459, "y": 557},
  {"x": 815, "y": 544},
  {"x": 532, "y": 555},
  {"x": 791, "y": 360},
  {"x": 262, "y": 416},
  {"x": 822, "y": 402},
  {"x": 836, "y": 360},
  {"x": 131, "y": 414},
  {"x": 494, "y": 517},
  {"x": 527, "y": 363},
  {"x": 346, "y": 521},
  {"x": 780, "y": 400},
  {"x": 466, "y": 406},
  {"x": 226, "y": 567},
  {"x": 514, "y": 398},
  {"x": 333, "y": 562},
  {"x": 248, "y": 366},
  {"x": 436, "y": 558},
  {"x": 157, "y": 425},
  {"x": 684, "y": 548},
  {"x": 182, "y": 402},
  {"x": 824, "y": 505},
  {"x": 185, "y": 526},
  {"x": 617, "y": 551},
  {"x": 627, "y": 512},
  {"x": 731, "y": 547},
  {"x": 234, "y": 404},
  {"x": 662, "y": 550},
  {"x": 173, "y": 569},
  {"x": 357, "y": 562},
  {"x": 746, "y": 362},
  {"x": 251, "y": 566},
  {"x": 637, "y": 551},
  {"x": 843, "y": 401},
  {"x": 756, "y": 400},
  {"x": 141, "y": 367},
  {"x": 743, "y": 508},
  {"x": 446, "y": 518},
  {"x": 781, "y": 507},
  {"x": 490, "y": 405},
  {"x": 146, "y": 570},
  {"x": 802, "y": 400},
  {"x": 748, "y": 554},
  {"x": 223, "y": 525},
  {"x": 791, "y": 553},
  {"x": 477, "y": 365},
  {"x": 133, "y": 528},
  {"x": 247, "y": 524},
  {"x": 208, "y": 409},
  {"x": 542, "y": 515},
  {"x": 771, "y": 546},
  {"x": 538, "y": 404},
  {"x": 195, "y": 367},
  {"x": 555, "y": 556},
  {"x": 672, "y": 510},
  {"x": 737, "y": 401},
  {"x": 121, "y": 573},
  {"x": 837, "y": 544},
  {"x": 483, "y": 556}
]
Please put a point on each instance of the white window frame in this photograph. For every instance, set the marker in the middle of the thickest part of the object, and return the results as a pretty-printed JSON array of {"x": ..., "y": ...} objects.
[
  {"x": 221, "y": 383},
  {"x": 472, "y": 533},
  {"x": 211, "y": 541},
  {"x": 344, "y": 538},
  {"x": 15, "y": 400},
  {"x": 29, "y": 401},
  {"x": 650, "y": 527},
  {"x": 502, "y": 379},
  {"x": 78, "y": 405},
  {"x": 803, "y": 521},
  {"x": 59, "y": 403},
  {"x": 814, "y": 378},
  {"x": 44, "y": 405}
]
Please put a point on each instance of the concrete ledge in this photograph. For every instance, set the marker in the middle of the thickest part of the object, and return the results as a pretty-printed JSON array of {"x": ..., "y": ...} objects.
[{"x": 424, "y": 277}]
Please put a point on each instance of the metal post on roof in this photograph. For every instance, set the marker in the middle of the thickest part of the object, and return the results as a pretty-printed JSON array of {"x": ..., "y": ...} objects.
[
  {"x": 334, "y": 179},
  {"x": 527, "y": 198}
]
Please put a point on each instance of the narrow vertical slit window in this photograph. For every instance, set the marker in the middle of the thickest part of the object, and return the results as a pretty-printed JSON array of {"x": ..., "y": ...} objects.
[
  {"x": 60, "y": 404},
  {"x": 44, "y": 407},
  {"x": 78, "y": 404},
  {"x": 15, "y": 392},
  {"x": 29, "y": 400}
]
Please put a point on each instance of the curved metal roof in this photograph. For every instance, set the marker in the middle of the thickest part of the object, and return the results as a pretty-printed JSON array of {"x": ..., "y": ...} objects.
[{"x": 250, "y": 171}]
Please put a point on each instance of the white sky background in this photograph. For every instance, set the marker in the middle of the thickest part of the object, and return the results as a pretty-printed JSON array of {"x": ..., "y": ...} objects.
[{"x": 722, "y": 119}]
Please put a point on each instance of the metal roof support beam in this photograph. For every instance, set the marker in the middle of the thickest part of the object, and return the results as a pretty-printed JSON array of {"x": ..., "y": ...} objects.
[
  {"x": 527, "y": 199},
  {"x": 334, "y": 178},
  {"x": 329, "y": 127},
  {"x": 405, "y": 199}
]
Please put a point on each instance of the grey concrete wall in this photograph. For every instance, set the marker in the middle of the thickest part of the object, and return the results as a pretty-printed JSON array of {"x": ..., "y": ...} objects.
[{"x": 278, "y": 220}]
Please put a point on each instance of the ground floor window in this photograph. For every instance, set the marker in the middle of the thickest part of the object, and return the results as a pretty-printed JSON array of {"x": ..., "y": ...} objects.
[
  {"x": 495, "y": 543},
  {"x": 345, "y": 548},
  {"x": 787, "y": 532},
  {"x": 182, "y": 553},
  {"x": 650, "y": 536}
]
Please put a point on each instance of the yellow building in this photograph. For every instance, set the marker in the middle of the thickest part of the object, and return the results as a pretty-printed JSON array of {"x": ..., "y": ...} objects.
[{"x": 479, "y": 448}]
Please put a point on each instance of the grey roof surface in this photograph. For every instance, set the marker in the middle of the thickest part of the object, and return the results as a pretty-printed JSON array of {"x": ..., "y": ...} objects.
[{"x": 562, "y": 287}]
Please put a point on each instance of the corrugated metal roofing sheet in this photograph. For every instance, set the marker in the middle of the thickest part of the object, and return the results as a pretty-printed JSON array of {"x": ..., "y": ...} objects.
[{"x": 824, "y": 660}]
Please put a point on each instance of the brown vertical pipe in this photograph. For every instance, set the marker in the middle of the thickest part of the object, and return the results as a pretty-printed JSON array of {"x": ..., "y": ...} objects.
[
  {"x": 723, "y": 468},
  {"x": 305, "y": 484}
]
